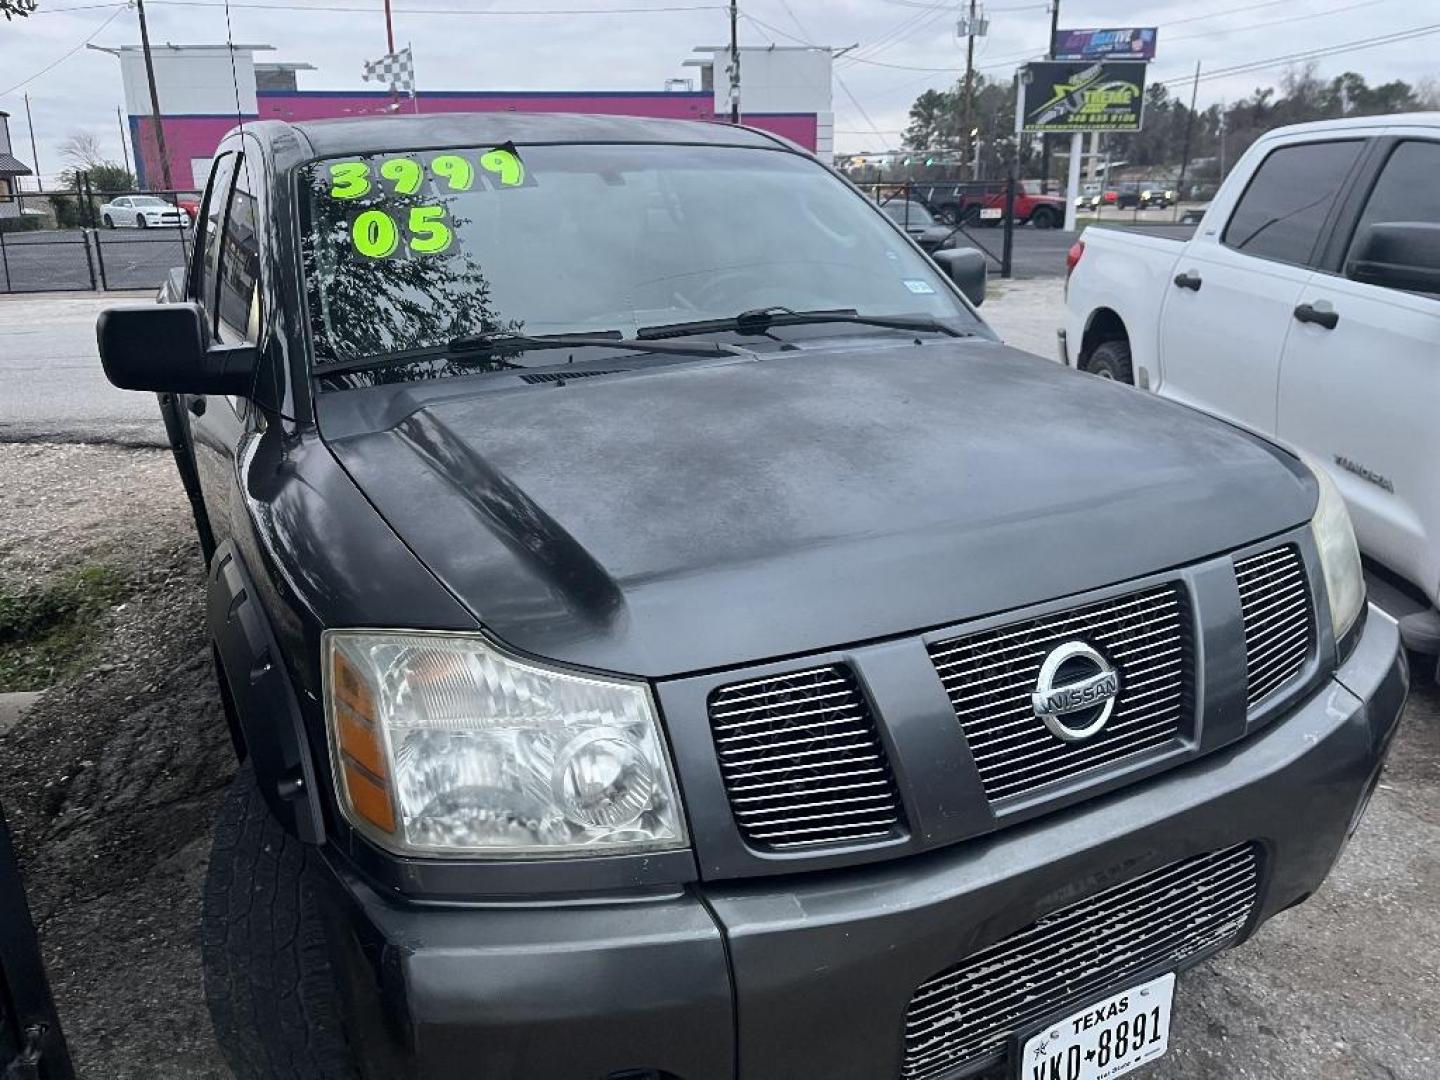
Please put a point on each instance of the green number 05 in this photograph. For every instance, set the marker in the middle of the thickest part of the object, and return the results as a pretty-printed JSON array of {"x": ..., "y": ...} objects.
[
  {"x": 429, "y": 234},
  {"x": 349, "y": 179},
  {"x": 374, "y": 234}
]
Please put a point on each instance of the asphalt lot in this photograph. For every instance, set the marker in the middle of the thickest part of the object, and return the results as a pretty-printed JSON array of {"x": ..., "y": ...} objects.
[
  {"x": 54, "y": 259},
  {"x": 51, "y": 383}
]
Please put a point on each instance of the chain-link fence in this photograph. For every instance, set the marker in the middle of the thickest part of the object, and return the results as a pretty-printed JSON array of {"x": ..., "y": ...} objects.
[
  {"x": 954, "y": 213},
  {"x": 83, "y": 239}
]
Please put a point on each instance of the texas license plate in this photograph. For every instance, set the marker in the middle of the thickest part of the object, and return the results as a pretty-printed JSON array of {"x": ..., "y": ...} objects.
[
  {"x": 990, "y": 213},
  {"x": 1103, "y": 1040}
]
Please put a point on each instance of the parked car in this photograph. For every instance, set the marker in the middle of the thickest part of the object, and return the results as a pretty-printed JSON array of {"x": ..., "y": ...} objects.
[
  {"x": 141, "y": 212},
  {"x": 1154, "y": 195},
  {"x": 921, "y": 225},
  {"x": 1306, "y": 305},
  {"x": 1126, "y": 196},
  {"x": 713, "y": 654},
  {"x": 1194, "y": 214}
]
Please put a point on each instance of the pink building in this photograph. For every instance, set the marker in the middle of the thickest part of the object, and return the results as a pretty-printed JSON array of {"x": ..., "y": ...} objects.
[{"x": 786, "y": 91}]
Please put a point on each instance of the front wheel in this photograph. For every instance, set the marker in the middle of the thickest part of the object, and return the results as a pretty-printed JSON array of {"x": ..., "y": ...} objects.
[
  {"x": 1111, "y": 360},
  {"x": 1043, "y": 218},
  {"x": 269, "y": 980},
  {"x": 109, "y": 222},
  {"x": 139, "y": 222}
]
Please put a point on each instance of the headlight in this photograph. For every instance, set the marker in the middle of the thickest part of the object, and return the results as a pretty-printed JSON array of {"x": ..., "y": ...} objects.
[
  {"x": 444, "y": 745},
  {"x": 1339, "y": 554}
]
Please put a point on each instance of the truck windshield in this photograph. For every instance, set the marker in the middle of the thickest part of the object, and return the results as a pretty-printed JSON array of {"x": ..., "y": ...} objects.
[{"x": 409, "y": 251}]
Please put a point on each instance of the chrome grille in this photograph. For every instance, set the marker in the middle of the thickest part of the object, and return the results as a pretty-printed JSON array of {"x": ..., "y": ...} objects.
[
  {"x": 1156, "y": 921},
  {"x": 1279, "y": 624},
  {"x": 990, "y": 676},
  {"x": 802, "y": 761}
]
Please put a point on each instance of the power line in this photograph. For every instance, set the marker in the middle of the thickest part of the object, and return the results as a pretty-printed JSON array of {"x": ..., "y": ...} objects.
[
  {"x": 352, "y": 8},
  {"x": 1356, "y": 45},
  {"x": 57, "y": 62}
]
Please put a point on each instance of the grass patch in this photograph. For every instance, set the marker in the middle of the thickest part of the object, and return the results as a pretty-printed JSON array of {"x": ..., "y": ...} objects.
[{"x": 48, "y": 630}]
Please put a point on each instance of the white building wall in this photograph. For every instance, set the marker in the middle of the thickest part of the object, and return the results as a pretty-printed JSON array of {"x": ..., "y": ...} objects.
[{"x": 191, "y": 81}]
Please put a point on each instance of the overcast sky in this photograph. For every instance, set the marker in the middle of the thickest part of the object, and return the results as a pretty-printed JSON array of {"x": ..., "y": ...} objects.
[{"x": 488, "y": 47}]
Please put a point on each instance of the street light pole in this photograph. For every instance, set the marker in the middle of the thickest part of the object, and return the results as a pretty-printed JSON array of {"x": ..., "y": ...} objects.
[
  {"x": 1050, "y": 53},
  {"x": 34, "y": 154},
  {"x": 124, "y": 147},
  {"x": 969, "y": 92},
  {"x": 154, "y": 99},
  {"x": 734, "y": 61}
]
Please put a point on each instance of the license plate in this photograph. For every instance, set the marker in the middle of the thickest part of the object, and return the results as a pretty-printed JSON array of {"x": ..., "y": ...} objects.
[
  {"x": 990, "y": 213},
  {"x": 1103, "y": 1040}
]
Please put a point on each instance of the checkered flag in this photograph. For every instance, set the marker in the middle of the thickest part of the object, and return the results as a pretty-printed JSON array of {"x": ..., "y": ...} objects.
[{"x": 397, "y": 69}]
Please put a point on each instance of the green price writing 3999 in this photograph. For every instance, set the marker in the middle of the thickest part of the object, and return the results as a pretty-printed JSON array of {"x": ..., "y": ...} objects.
[{"x": 405, "y": 175}]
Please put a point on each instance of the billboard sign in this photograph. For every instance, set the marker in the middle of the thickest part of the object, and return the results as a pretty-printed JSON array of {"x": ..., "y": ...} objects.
[
  {"x": 1136, "y": 43},
  {"x": 1082, "y": 97}
]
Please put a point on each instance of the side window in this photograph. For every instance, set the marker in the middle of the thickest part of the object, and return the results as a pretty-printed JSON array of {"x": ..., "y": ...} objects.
[
  {"x": 238, "y": 302},
  {"x": 1285, "y": 206},
  {"x": 1406, "y": 189},
  {"x": 213, "y": 216}
]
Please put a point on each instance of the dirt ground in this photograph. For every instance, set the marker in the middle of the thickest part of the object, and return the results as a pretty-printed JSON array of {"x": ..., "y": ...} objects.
[{"x": 111, "y": 783}]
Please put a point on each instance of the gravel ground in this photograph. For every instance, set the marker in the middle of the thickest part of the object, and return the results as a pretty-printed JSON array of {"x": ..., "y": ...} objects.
[{"x": 112, "y": 781}]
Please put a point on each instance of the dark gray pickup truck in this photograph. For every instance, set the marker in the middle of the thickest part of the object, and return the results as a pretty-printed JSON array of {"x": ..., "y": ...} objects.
[{"x": 668, "y": 636}]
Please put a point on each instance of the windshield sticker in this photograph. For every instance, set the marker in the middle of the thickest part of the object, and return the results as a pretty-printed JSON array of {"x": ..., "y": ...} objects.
[
  {"x": 403, "y": 174},
  {"x": 920, "y": 288},
  {"x": 504, "y": 161},
  {"x": 376, "y": 234}
]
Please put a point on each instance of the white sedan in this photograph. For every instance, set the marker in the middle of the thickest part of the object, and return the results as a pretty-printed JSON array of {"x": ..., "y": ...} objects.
[{"x": 142, "y": 212}]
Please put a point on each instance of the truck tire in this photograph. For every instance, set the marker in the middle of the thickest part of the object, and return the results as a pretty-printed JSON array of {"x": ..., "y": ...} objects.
[
  {"x": 1044, "y": 218},
  {"x": 1111, "y": 360},
  {"x": 268, "y": 978}
]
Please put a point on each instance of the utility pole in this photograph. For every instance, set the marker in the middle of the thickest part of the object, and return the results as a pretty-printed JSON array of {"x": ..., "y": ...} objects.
[
  {"x": 154, "y": 100},
  {"x": 34, "y": 154},
  {"x": 1189, "y": 126},
  {"x": 1050, "y": 53},
  {"x": 734, "y": 61},
  {"x": 124, "y": 147},
  {"x": 969, "y": 92}
]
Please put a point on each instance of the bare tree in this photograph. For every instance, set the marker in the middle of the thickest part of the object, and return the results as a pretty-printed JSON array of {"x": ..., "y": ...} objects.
[
  {"x": 81, "y": 149},
  {"x": 1427, "y": 92},
  {"x": 16, "y": 8}
]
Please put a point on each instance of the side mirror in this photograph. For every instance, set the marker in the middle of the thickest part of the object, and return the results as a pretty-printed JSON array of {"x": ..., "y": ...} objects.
[
  {"x": 1397, "y": 255},
  {"x": 166, "y": 348},
  {"x": 966, "y": 268}
]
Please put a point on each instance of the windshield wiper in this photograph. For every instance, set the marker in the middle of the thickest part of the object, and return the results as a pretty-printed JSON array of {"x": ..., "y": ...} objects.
[
  {"x": 482, "y": 344},
  {"x": 759, "y": 320}
]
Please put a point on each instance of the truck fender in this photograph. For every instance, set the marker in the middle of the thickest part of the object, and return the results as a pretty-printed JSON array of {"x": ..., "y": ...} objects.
[
  {"x": 264, "y": 701},
  {"x": 1103, "y": 324}
]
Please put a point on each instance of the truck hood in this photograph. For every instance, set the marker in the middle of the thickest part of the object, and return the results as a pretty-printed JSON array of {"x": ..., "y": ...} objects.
[{"x": 701, "y": 516}]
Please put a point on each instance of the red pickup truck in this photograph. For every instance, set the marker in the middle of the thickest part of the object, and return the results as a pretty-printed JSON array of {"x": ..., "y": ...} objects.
[{"x": 967, "y": 203}]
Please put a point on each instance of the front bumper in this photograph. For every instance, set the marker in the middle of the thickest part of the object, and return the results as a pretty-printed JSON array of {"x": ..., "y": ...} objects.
[{"x": 809, "y": 975}]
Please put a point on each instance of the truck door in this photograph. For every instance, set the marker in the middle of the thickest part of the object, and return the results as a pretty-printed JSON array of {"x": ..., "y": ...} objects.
[
  {"x": 228, "y": 289},
  {"x": 31, "y": 1044},
  {"x": 1360, "y": 376},
  {"x": 1228, "y": 306}
]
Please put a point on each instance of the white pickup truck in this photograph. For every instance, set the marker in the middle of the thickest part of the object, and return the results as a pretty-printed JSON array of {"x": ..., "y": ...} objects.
[{"x": 1306, "y": 306}]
